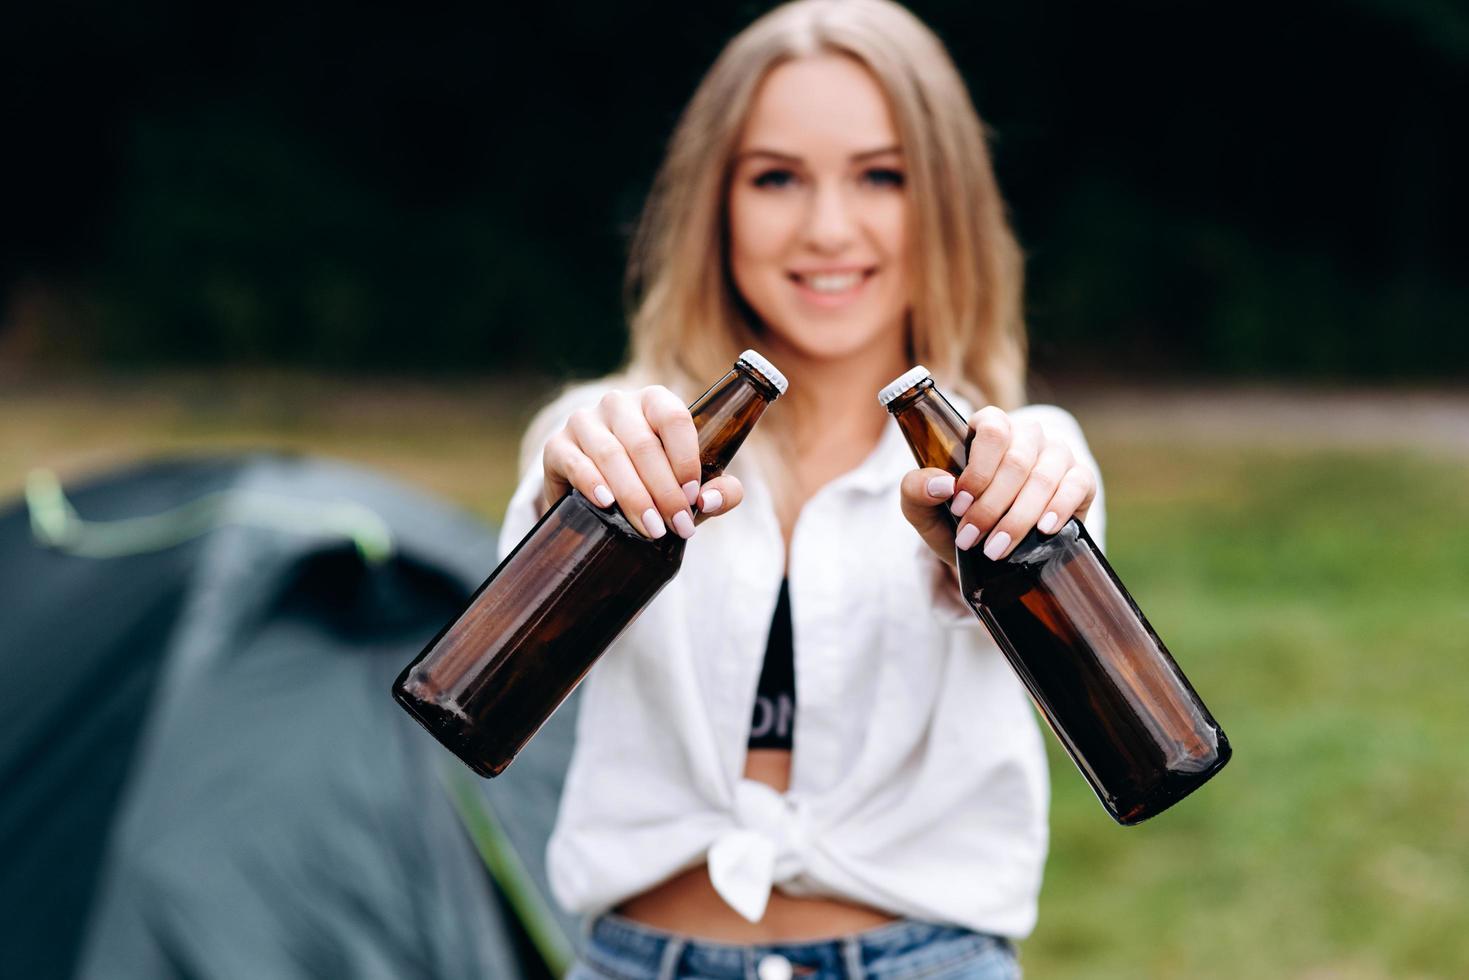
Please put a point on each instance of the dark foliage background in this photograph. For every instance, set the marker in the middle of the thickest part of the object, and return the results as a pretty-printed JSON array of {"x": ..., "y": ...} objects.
[{"x": 1253, "y": 189}]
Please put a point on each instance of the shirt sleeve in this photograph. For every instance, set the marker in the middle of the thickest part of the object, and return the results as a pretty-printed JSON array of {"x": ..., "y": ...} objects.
[{"x": 941, "y": 582}]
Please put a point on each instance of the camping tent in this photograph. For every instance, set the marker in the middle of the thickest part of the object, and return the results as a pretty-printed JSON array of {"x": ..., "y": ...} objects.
[{"x": 202, "y": 773}]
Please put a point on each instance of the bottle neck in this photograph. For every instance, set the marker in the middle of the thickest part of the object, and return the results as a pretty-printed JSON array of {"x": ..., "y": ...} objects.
[
  {"x": 936, "y": 432},
  {"x": 725, "y": 415}
]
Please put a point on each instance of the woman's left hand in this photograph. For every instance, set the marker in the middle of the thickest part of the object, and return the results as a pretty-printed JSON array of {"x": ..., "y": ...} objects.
[{"x": 1017, "y": 478}]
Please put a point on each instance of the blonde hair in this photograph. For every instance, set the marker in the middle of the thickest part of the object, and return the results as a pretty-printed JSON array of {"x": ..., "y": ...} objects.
[{"x": 687, "y": 321}]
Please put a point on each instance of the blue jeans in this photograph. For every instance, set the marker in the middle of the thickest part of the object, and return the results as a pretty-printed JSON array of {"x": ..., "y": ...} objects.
[{"x": 620, "y": 949}]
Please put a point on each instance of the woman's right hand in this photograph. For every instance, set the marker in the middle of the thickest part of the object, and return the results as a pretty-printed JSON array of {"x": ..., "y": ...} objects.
[{"x": 640, "y": 451}]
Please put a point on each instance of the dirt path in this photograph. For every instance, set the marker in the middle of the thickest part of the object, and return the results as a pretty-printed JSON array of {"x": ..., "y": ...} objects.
[
  {"x": 1431, "y": 421},
  {"x": 459, "y": 437}
]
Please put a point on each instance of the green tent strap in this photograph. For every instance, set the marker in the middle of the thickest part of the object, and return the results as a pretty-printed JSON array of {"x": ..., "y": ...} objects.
[
  {"x": 508, "y": 871},
  {"x": 56, "y": 524}
]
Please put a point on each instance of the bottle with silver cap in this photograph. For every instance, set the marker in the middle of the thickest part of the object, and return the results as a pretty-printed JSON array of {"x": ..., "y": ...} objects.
[
  {"x": 498, "y": 670},
  {"x": 1105, "y": 683}
]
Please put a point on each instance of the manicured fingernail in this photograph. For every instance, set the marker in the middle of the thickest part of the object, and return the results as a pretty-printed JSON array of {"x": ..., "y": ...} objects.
[
  {"x": 683, "y": 523},
  {"x": 968, "y": 534},
  {"x": 604, "y": 496},
  {"x": 996, "y": 546},
  {"x": 941, "y": 486},
  {"x": 691, "y": 490},
  {"x": 711, "y": 501},
  {"x": 961, "y": 502},
  {"x": 653, "y": 524},
  {"x": 1047, "y": 524}
]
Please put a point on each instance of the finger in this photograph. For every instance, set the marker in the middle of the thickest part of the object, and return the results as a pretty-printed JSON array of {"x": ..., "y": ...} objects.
[
  {"x": 921, "y": 491},
  {"x": 670, "y": 419},
  {"x": 555, "y": 483},
  {"x": 922, "y": 495},
  {"x": 1030, "y": 503},
  {"x": 591, "y": 434},
  {"x": 719, "y": 496},
  {"x": 1072, "y": 498},
  {"x": 991, "y": 432},
  {"x": 649, "y": 458},
  {"x": 566, "y": 466},
  {"x": 1010, "y": 475}
]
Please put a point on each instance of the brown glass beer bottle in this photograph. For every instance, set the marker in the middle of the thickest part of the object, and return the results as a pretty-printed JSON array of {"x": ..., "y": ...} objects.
[
  {"x": 1105, "y": 683},
  {"x": 493, "y": 676}
]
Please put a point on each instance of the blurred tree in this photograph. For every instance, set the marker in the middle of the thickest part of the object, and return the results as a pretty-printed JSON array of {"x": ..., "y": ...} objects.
[{"x": 1262, "y": 192}]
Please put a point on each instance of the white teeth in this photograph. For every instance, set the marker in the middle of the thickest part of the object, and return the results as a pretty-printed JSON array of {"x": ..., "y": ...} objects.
[{"x": 833, "y": 283}]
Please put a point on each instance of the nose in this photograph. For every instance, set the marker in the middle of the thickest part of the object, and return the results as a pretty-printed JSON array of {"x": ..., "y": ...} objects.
[{"x": 831, "y": 226}]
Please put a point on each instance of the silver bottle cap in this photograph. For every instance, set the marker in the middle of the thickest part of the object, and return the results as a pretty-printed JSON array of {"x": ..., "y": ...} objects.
[
  {"x": 757, "y": 363},
  {"x": 905, "y": 382}
]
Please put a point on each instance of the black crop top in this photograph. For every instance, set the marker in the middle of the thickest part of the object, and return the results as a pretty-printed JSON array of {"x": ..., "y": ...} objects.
[{"x": 775, "y": 703}]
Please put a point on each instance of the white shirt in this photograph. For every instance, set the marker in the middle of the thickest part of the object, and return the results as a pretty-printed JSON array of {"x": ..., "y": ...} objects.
[{"x": 918, "y": 775}]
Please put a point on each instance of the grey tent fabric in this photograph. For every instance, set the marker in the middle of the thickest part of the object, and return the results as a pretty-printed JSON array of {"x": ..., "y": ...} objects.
[
  {"x": 81, "y": 650},
  {"x": 281, "y": 816}
]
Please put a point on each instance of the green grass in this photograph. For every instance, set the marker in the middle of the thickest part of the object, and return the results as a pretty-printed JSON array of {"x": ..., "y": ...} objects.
[
  {"x": 1318, "y": 600},
  {"x": 1320, "y": 604}
]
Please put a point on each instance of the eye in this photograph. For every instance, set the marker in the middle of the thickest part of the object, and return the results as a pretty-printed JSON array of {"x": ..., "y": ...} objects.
[
  {"x": 775, "y": 179},
  {"x": 883, "y": 177}
]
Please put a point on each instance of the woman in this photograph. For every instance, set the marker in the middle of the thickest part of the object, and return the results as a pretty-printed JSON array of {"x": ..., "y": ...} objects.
[{"x": 807, "y": 757}]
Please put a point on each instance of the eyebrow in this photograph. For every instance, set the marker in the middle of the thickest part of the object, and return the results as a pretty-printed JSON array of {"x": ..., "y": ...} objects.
[{"x": 791, "y": 158}]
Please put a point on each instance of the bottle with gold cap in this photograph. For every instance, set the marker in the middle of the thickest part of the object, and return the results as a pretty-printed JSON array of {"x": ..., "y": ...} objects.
[
  {"x": 494, "y": 674},
  {"x": 1097, "y": 671}
]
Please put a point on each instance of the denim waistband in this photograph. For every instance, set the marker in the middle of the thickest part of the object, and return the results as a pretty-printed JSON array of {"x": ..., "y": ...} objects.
[{"x": 629, "y": 950}]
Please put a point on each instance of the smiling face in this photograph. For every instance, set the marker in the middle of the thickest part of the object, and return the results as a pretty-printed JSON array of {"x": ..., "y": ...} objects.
[{"x": 818, "y": 214}]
